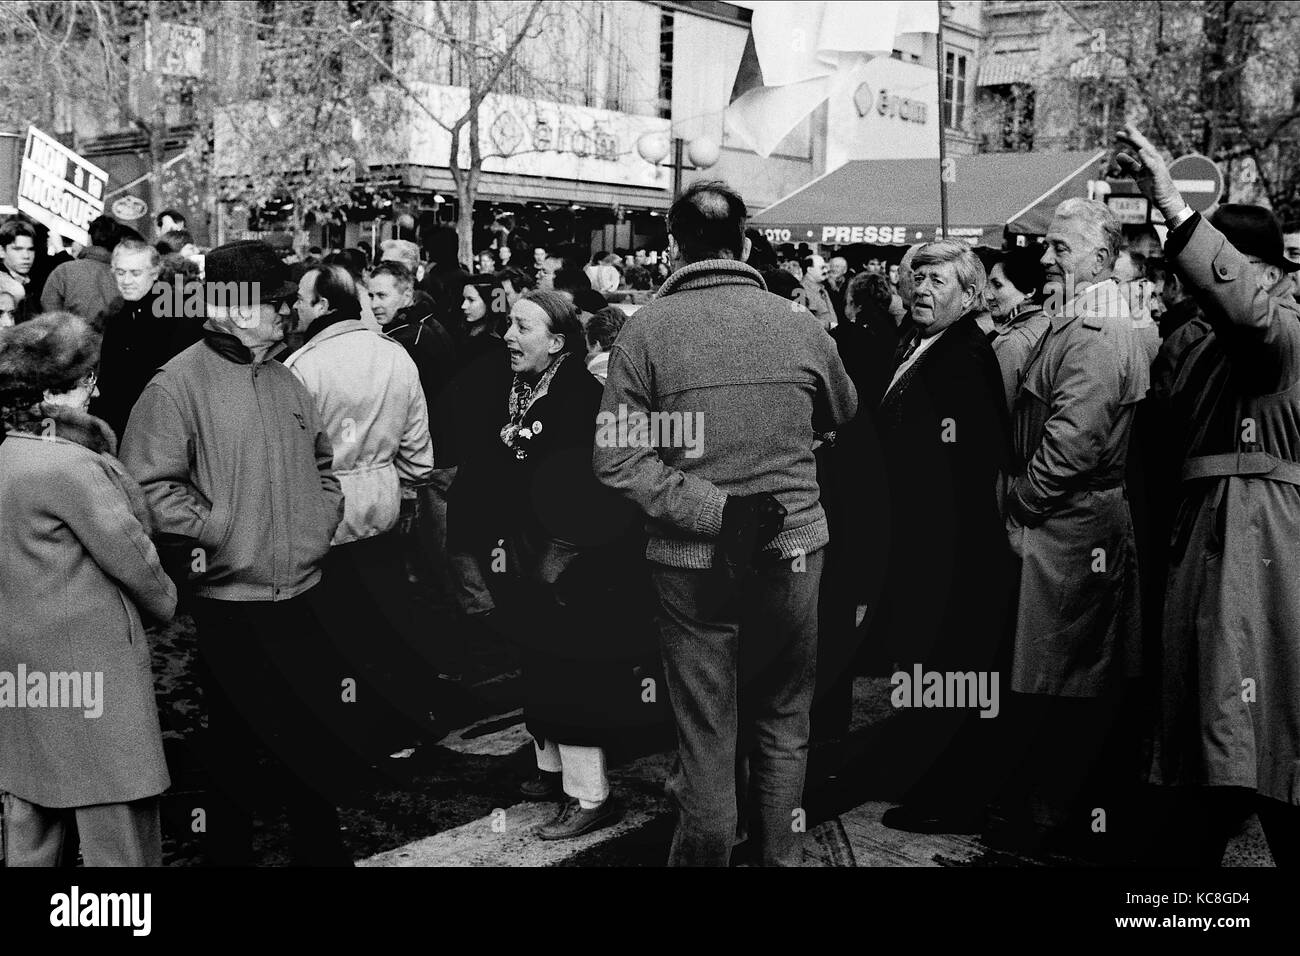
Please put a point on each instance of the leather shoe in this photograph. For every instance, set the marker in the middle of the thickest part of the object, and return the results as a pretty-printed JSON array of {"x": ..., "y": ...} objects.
[
  {"x": 544, "y": 785},
  {"x": 573, "y": 821}
]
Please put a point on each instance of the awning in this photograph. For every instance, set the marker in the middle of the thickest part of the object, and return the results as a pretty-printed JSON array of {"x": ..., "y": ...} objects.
[
  {"x": 512, "y": 187},
  {"x": 1003, "y": 69},
  {"x": 895, "y": 202}
]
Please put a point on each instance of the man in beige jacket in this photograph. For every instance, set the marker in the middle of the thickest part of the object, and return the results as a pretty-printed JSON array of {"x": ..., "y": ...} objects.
[{"x": 367, "y": 391}]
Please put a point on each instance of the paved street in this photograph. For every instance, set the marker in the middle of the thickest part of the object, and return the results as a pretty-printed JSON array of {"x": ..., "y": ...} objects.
[
  {"x": 853, "y": 836},
  {"x": 457, "y": 803}
]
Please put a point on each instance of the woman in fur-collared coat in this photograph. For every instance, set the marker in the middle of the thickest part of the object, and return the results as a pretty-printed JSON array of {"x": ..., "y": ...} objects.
[{"x": 76, "y": 570}]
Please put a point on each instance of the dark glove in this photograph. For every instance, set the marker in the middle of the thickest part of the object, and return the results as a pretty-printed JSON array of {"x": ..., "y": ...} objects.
[{"x": 749, "y": 522}]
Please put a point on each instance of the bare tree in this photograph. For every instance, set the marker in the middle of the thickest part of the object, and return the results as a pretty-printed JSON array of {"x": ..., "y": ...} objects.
[
  {"x": 84, "y": 62},
  {"x": 1218, "y": 77},
  {"x": 540, "y": 50},
  {"x": 296, "y": 119}
]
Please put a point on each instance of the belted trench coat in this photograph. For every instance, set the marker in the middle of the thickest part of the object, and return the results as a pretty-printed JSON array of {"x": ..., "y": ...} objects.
[
  {"x": 1078, "y": 627},
  {"x": 1230, "y": 681}
]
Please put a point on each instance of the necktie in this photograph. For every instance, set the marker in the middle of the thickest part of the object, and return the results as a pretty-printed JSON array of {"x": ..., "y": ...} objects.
[{"x": 908, "y": 349}]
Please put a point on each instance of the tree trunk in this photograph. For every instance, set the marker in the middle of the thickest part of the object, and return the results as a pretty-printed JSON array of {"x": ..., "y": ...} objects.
[
  {"x": 467, "y": 180},
  {"x": 1213, "y": 63},
  {"x": 465, "y": 223}
]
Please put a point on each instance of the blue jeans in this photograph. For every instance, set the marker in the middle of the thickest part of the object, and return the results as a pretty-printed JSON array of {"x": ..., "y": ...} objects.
[{"x": 741, "y": 669}]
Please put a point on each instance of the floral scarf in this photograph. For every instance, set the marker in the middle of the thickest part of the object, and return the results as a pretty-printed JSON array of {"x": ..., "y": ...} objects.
[{"x": 522, "y": 397}]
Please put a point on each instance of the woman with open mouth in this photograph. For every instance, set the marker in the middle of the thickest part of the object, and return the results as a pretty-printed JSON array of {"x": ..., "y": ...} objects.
[{"x": 573, "y": 550}]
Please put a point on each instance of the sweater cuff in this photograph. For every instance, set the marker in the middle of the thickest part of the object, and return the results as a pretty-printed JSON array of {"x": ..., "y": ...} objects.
[{"x": 709, "y": 520}]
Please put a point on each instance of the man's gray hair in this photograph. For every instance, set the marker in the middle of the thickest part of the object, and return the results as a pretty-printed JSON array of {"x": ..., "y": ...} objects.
[
  {"x": 970, "y": 271},
  {"x": 129, "y": 247},
  {"x": 1105, "y": 228},
  {"x": 401, "y": 250},
  {"x": 402, "y": 277},
  {"x": 906, "y": 286}
]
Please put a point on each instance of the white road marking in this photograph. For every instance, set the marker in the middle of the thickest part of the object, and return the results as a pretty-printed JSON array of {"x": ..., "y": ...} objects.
[{"x": 497, "y": 743}]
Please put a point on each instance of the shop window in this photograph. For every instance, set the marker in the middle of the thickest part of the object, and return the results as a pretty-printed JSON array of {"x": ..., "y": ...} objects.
[
  {"x": 955, "y": 66},
  {"x": 666, "y": 64}
]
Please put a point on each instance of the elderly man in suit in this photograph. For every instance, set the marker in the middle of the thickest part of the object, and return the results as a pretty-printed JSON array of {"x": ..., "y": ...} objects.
[
  {"x": 1229, "y": 728},
  {"x": 1078, "y": 630},
  {"x": 944, "y": 435}
]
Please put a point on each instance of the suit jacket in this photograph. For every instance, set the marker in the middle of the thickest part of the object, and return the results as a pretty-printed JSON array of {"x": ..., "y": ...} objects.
[{"x": 944, "y": 433}]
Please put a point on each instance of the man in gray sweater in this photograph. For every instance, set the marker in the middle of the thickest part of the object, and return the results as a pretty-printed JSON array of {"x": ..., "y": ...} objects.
[{"x": 715, "y": 395}]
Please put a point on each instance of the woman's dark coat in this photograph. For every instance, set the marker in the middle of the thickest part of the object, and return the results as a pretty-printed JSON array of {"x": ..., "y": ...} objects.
[{"x": 576, "y": 593}]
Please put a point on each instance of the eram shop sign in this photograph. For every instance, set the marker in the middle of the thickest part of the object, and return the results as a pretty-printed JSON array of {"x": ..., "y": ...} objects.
[{"x": 59, "y": 188}]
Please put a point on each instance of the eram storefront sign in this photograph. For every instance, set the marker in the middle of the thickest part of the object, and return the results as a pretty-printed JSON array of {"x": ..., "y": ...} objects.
[
  {"x": 58, "y": 188},
  {"x": 529, "y": 137},
  {"x": 885, "y": 109}
]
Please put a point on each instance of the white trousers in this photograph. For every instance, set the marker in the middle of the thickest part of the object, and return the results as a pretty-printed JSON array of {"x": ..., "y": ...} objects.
[{"x": 583, "y": 770}]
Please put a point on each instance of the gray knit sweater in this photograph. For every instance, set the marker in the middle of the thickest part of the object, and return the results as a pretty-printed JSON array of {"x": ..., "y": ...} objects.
[{"x": 716, "y": 388}]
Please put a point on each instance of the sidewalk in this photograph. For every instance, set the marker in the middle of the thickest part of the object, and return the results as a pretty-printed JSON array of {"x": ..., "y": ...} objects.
[{"x": 837, "y": 838}]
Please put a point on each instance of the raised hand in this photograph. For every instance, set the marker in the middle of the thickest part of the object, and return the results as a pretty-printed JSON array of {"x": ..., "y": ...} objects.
[{"x": 1138, "y": 159}]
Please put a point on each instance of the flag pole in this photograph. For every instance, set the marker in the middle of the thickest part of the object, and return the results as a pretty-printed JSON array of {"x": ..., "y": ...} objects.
[{"x": 943, "y": 182}]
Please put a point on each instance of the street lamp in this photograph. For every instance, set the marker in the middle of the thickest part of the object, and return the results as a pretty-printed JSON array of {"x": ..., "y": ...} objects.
[{"x": 702, "y": 151}]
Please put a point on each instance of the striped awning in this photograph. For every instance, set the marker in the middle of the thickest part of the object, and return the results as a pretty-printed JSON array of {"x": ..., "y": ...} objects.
[{"x": 1003, "y": 69}]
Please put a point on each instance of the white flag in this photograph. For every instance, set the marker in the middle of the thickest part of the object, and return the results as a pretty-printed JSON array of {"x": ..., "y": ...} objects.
[{"x": 805, "y": 52}]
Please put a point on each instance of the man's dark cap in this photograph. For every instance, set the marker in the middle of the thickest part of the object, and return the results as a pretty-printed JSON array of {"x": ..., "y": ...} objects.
[
  {"x": 250, "y": 260},
  {"x": 1253, "y": 231}
]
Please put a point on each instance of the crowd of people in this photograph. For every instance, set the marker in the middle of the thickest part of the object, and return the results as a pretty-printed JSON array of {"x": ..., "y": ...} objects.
[{"x": 1068, "y": 470}]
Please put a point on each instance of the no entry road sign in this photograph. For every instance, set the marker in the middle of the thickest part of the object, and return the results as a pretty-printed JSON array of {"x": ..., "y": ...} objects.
[{"x": 1198, "y": 180}]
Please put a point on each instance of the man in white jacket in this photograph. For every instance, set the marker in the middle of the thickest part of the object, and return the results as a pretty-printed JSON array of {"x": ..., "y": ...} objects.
[{"x": 368, "y": 393}]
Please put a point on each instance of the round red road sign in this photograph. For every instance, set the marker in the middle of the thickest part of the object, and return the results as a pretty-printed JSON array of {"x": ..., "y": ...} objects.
[{"x": 1198, "y": 180}]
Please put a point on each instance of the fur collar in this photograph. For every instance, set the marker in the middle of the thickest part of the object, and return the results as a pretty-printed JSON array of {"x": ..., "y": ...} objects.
[{"x": 82, "y": 428}]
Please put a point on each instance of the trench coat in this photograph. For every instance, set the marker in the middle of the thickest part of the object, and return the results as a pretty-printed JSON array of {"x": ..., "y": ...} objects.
[
  {"x": 1230, "y": 682},
  {"x": 1079, "y": 622},
  {"x": 75, "y": 563}
]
